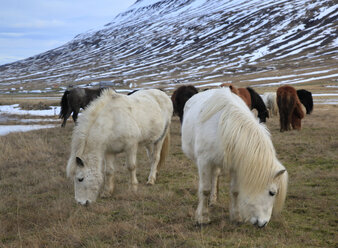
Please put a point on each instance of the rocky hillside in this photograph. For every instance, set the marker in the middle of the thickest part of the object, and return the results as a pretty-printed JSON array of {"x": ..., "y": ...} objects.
[{"x": 204, "y": 42}]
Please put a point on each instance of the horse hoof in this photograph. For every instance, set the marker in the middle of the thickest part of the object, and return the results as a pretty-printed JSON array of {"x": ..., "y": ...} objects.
[
  {"x": 106, "y": 194},
  {"x": 134, "y": 187},
  {"x": 201, "y": 221},
  {"x": 151, "y": 182},
  {"x": 212, "y": 202}
]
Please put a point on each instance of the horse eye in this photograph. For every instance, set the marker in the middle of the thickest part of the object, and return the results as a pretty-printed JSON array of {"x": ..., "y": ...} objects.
[
  {"x": 272, "y": 193},
  {"x": 80, "y": 179}
]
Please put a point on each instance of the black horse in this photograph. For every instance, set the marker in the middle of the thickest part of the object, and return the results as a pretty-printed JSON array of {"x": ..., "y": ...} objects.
[
  {"x": 180, "y": 96},
  {"x": 257, "y": 103},
  {"x": 74, "y": 99},
  {"x": 305, "y": 98}
]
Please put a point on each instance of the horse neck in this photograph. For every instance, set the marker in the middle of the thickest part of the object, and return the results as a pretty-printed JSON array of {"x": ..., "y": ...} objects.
[{"x": 257, "y": 103}]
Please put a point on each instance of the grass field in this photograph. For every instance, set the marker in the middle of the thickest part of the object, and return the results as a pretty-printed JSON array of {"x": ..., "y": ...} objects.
[{"x": 37, "y": 207}]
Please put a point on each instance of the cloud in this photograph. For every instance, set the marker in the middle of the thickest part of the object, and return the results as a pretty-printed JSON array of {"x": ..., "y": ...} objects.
[
  {"x": 39, "y": 24},
  {"x": 11, "y": 35},
  {"x": 30, "y": 27}
]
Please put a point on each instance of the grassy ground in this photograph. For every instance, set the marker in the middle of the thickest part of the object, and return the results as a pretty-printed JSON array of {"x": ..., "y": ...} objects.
[{"x": 38, "y": 209}]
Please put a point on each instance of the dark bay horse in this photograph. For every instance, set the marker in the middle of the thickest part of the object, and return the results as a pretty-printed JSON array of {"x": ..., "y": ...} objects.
[
  {"x": 305, "y": 98},
  {"x": 74, "y": 99},
  {"x": 290, "y": 109},
  {"x": 180, "y": 96}
]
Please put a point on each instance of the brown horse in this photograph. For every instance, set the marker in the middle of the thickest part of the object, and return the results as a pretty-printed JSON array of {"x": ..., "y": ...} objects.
[
  {"x": 252, "y": 100},
  {"x": 241, "y": 92},
  {"x": 290, "y": 108},
  {"x": 74, "y": 99},
  {"x": 180, "y": 96}
]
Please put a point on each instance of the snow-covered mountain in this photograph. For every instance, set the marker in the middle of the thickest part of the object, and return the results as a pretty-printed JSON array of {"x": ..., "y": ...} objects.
[{"x": 155, "y": 42}]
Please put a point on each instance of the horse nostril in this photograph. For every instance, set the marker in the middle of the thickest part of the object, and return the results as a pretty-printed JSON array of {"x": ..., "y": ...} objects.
[{"x": 261, "y": 226}]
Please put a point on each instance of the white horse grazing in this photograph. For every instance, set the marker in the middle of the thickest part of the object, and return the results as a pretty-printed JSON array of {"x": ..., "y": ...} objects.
[
  {"x": 115, "y": 123},
  {"x": 270, "y": 100},
  {"x": 220, "y": 132}
]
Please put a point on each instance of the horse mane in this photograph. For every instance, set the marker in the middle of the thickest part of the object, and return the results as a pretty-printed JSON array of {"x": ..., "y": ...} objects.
[
  {"x": 86, "y": 121},
  {"x": 258, "y": 103},
  {"x": 248, "y": 148},
  {"x": 256, "y": 100}
]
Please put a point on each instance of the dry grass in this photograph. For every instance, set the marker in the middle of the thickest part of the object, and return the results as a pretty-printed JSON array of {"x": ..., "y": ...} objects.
[{"x": 37, "y": 206}]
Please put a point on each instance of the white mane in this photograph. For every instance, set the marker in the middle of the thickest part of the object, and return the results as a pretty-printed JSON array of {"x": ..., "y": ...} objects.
[
  {"x": 87, "y": 119},
  {"x": 247, "y": 145}
]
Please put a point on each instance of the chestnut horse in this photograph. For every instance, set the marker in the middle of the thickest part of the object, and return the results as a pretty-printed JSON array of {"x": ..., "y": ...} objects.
[
  {"x": 252, "y": 99},
  {"x": 241, "y": 92},
  {"x": 290, "y": 108},
  {"x": 180, "y": 96}
]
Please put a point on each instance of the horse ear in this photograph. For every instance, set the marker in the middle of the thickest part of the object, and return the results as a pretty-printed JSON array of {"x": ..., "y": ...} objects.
[
  {"x": 279, "y": 173},
  {"x": 79, "y": 162}
]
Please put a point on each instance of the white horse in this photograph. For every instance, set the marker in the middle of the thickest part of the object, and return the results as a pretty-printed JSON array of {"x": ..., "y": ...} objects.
[
  {"x": 270, "y": 100},
  {"x": 219, "y": 132},
  {"x": 112, "y": 124}
]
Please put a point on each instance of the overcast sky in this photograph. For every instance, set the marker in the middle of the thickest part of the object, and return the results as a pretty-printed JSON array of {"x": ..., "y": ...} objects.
[{"x": 30, "y": 27}]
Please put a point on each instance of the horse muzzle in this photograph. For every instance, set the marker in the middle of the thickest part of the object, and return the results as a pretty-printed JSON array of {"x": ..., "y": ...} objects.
[{"x": 84, "y": 203}]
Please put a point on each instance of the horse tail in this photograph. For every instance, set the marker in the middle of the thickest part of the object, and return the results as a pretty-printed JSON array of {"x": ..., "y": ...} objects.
[
  {"x": 64, "y": 104},
  {"x": 165, "y": 148}
]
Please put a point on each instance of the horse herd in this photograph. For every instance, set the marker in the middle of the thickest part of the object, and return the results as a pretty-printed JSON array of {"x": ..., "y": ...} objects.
[{"x": 219, "y": 132}]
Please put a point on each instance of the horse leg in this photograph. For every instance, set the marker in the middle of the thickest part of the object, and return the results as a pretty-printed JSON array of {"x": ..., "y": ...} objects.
[
  {"x": 149, "y": 149},
  {"x": 233, "y": 206},
  {"x": 204, "y": 188},
  {"x": 288, "y": 121},
  {"x": 155, "y": 152},
  {"x": 131, "y": 165},
  {"x": 281, "y": 121},
  {"x": 214, "y": 186},
  {"x": 66, "y": 116},
  {"x": 109, "y": 176},
  {"x": 75, "y": 114}
]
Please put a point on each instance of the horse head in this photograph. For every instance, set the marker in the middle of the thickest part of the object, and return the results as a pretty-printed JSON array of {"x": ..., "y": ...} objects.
[
  {"x": 88, "y": 180},
  {"x": 259, "y": 207},
  {"x": 263, "y": 115}
]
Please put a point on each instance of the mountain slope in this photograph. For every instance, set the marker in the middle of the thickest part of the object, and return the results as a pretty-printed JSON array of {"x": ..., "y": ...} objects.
[{"x": 195, "y": 41}]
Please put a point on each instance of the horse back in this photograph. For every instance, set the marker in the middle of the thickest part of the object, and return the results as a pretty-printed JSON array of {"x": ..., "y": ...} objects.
[
  {"x": 153, "y": 99},
  {"x": 245, "y": 95},
  {"x": 200, "y": 127},
  {"x": 138, "y": 118},
  {"x": 285, "y": 99}
]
